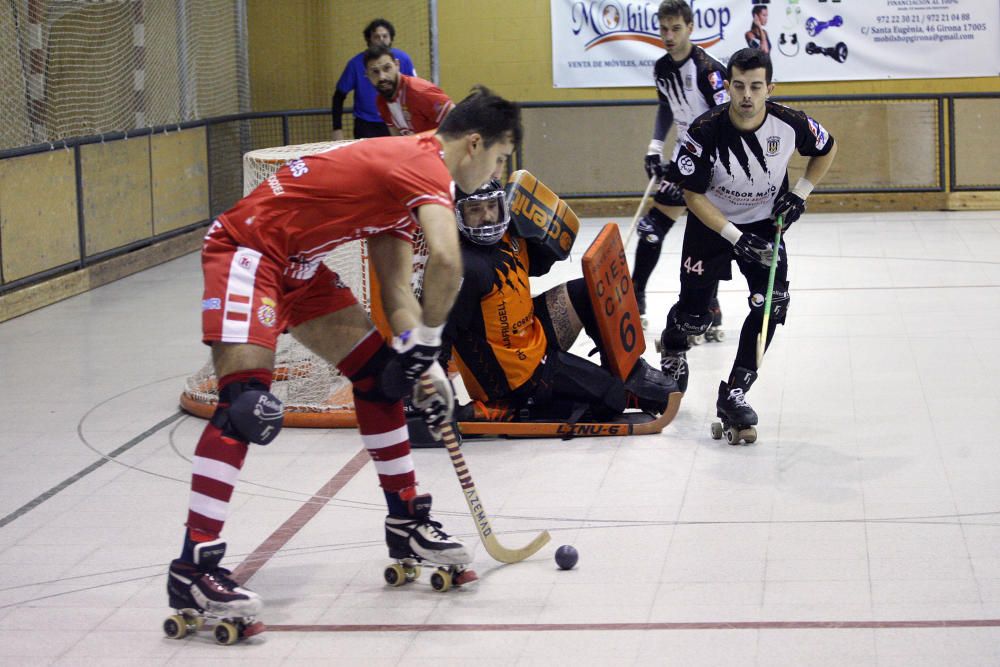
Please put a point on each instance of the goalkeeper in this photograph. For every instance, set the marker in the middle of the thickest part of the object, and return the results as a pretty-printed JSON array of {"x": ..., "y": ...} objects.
[{"x": 511, "y": 349}]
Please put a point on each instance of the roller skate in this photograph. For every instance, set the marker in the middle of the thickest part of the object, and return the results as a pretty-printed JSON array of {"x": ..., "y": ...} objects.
[
  {"x": 674, "y": 365},
  {"x": 202, "y": 591},
  {"x": 416, "y": 538},
  {"x": 715, "y": 334},
  {"x": 738, "y": 419}
]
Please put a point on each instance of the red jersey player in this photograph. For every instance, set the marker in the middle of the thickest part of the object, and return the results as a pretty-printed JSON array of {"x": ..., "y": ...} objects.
[
  {"x": 262, "y": 262},
  {"x": 407, "y": 104}
]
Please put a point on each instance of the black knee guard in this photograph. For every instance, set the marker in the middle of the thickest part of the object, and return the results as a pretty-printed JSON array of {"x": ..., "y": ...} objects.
[
  {"x": 249, "y": 412},
  {"x": 653, "y": 227},
  {"x": 381, "y": 379},
  {"x": 680, "y": 325},
  {"x": 779, "y": 304}
]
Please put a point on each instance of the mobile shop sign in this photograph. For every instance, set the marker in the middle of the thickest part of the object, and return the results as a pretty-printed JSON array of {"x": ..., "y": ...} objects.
[{"x": 610, "y": 43}]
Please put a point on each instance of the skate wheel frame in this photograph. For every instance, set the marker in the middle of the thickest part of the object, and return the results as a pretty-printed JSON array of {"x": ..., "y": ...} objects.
[
  {"x": 398, "y": 574},
  {"x": 227, "y": 631},
  {"x": 735, "y": 434}
]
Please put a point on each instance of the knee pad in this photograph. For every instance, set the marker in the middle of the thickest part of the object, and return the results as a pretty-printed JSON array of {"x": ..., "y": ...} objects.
[
  {"x": 779, "y": 304},
  {"x": 653, "y": 226},
  {"x": 381, "y": 379},
  {"x": 682, "y": 323},
  {"x": 253, "y": 413}
]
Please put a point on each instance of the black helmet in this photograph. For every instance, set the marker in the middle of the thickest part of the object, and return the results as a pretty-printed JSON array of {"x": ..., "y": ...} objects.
[{"x": 483, "y": 234}]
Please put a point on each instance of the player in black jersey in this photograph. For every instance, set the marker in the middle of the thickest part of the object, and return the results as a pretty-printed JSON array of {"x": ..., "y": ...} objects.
[
  {"x": 733, "y": 166},
  {"x": 689, "y": 82}
]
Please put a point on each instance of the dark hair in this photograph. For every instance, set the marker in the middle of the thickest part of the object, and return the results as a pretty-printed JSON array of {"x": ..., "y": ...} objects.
[
  {"x": 757, "y": 9},
  {"x": 376, "y": 52},
  {"x": 378, "y": 23},
  {"x": 747, "y": 59},
  {"x": 675, "y": 8},
  {"x": 484, "y": 112}
]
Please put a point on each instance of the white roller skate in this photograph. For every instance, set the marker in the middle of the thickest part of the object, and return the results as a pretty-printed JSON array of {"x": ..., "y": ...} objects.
[
  {"x": 202, "y": 590},
  {"x": 417, "y": 538}
]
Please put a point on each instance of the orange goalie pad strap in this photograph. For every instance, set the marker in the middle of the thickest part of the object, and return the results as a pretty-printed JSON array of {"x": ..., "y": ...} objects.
[
  {"x": 537, "y": 214},
  {"x": 609, "y": 283}
]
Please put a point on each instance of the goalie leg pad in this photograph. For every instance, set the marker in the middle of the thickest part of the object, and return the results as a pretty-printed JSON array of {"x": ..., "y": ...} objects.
[
  {"x": 569, "y": 377},
  {"x": 248, "y": 412}
]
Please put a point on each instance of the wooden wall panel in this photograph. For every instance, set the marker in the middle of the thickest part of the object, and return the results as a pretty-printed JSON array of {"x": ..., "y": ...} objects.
[
  {"x": 117, "y": 205},
  {"x": 38, "y": 227},
  {"x": 179, "y": 178},
  {"x": 977, "y": 153}
]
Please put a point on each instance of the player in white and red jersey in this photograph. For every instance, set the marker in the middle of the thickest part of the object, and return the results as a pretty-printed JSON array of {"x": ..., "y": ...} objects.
[
  {"x": 407, "y": 104},
  {"x": 262, "y": 261}
]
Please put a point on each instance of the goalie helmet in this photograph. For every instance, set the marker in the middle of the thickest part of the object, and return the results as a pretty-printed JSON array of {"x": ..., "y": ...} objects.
[{"x": 468, "y": 205}]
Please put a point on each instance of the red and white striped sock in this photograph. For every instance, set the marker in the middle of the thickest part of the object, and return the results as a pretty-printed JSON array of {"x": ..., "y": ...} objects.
[
  {"x": 216, "y": 467},
  {"x": 382, "y": 425}
]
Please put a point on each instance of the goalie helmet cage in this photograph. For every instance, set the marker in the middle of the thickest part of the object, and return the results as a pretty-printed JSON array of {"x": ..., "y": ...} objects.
[{"x": 314, "y": 392}]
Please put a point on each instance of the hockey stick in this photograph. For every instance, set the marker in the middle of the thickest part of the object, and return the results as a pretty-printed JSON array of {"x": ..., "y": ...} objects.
[
  {"x": 493, "y": 547},
  {"x": 565, "y": 430},
  {"x": 638, "y": 212},
  {"x": 762, "y": 336}
]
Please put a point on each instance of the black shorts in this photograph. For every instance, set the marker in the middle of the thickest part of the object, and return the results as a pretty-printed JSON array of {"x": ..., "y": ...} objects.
[{"x": 706, "y": 257}]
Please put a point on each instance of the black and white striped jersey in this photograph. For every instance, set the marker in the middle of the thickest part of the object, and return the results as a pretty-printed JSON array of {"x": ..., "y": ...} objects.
[
  {"x": 690, "y": 87},
  {"x": 742, "y": 173}
]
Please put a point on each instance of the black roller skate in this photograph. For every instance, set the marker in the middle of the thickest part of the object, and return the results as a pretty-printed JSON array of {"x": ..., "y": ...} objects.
[
  {"x": 674, "y": 364},
  {"x": 416, "y": 538},
  {"x": 738, "y": 419},
  {"x": 715, "y": 334},
  {"x": 202, "y": 590}
]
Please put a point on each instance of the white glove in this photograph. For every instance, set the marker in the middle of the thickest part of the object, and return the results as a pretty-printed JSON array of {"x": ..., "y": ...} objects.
[{"x": 438, "y": 406}]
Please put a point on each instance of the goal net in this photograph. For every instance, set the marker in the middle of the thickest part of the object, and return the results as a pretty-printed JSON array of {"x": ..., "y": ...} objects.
[{"x": 314, "y": 392}]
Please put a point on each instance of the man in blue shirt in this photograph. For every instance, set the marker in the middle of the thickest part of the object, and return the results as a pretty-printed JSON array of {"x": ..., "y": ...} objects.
[{"x": 367, "y": 122}]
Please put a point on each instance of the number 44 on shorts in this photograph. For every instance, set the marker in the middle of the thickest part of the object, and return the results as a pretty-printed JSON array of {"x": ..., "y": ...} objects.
[{"x": 693, "y": 268}]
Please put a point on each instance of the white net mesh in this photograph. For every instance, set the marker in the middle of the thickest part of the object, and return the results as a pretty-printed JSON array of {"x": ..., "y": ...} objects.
[
  {"x": 82, "y": 67},
  {"x": 309, "y": 387}
]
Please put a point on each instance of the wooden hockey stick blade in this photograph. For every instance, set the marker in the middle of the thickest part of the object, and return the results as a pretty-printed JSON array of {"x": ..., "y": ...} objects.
[
  {"x": 578, "y": 429},
  {"x": 493, "y": 547},
  {"x": 638, "y": 212}
]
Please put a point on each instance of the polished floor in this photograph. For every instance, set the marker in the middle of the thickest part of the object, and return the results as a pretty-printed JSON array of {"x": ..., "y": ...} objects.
[{"x": 863, "y": 528}]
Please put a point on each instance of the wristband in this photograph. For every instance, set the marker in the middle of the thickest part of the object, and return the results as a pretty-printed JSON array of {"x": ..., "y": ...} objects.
[
  {"x": 731, "y": 233},
  {"x": 655, "y": 147},
  {"x": 803, "y": 188}
]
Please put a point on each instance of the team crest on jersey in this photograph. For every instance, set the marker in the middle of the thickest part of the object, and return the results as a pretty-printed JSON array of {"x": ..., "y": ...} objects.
[
  {"x": 715, "y": 80},
  {"x": 773, "y": 145},
  {"x": 266, "y": 313},
  {"x": 819, "y": 132},
  {"x": 688, "y": 82}
]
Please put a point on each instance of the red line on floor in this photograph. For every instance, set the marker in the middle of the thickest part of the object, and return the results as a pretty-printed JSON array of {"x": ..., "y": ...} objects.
[
  {"x": 302, "y": 516},
  {"x": 706, "y": 625}
]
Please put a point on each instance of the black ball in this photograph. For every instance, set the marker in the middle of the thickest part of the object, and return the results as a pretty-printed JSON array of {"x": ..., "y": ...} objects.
[{"x": 566, "y": 557}]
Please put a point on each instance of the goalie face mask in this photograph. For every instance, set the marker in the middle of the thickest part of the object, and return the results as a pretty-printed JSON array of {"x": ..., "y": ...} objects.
[{"x": 483, "y": 216}]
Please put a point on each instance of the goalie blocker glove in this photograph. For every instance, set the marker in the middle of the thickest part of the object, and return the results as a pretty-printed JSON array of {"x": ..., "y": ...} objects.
[{"x": 418, "y": 348}]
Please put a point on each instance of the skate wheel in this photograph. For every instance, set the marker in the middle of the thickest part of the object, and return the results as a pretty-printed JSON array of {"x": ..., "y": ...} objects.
[
  {"x": 749, "y": 435},
  {"x": 732, "y": 436},
  {"x": 175, "y": 627},
  {"x": 658, "y": 344},
  {"x": 252, "y": 629},
  {"x": 696, "y": 340},
  {"x": 716, "y": 431},
  {"x": 466, "y": 577},
  {"x": 441, "y": 580},
  {"x": 720, "y": 335},
  {"x": 395, "y": 575},
  {"x": 644, "y": 322},
  {"x": 412, "y": 572},
  {"x": 226, "y": 633}
]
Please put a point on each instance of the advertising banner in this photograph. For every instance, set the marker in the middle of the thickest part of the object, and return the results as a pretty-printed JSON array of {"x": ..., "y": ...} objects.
[{"x": 606, "y": 43}]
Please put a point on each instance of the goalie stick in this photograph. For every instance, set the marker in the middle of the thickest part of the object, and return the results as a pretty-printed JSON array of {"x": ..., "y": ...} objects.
[
  {"x": 566, "y": 430},
  {"x": 493, "y": 547},
  {"x": 638, "y": 211},
  {"x": 762, "y": 336}
]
